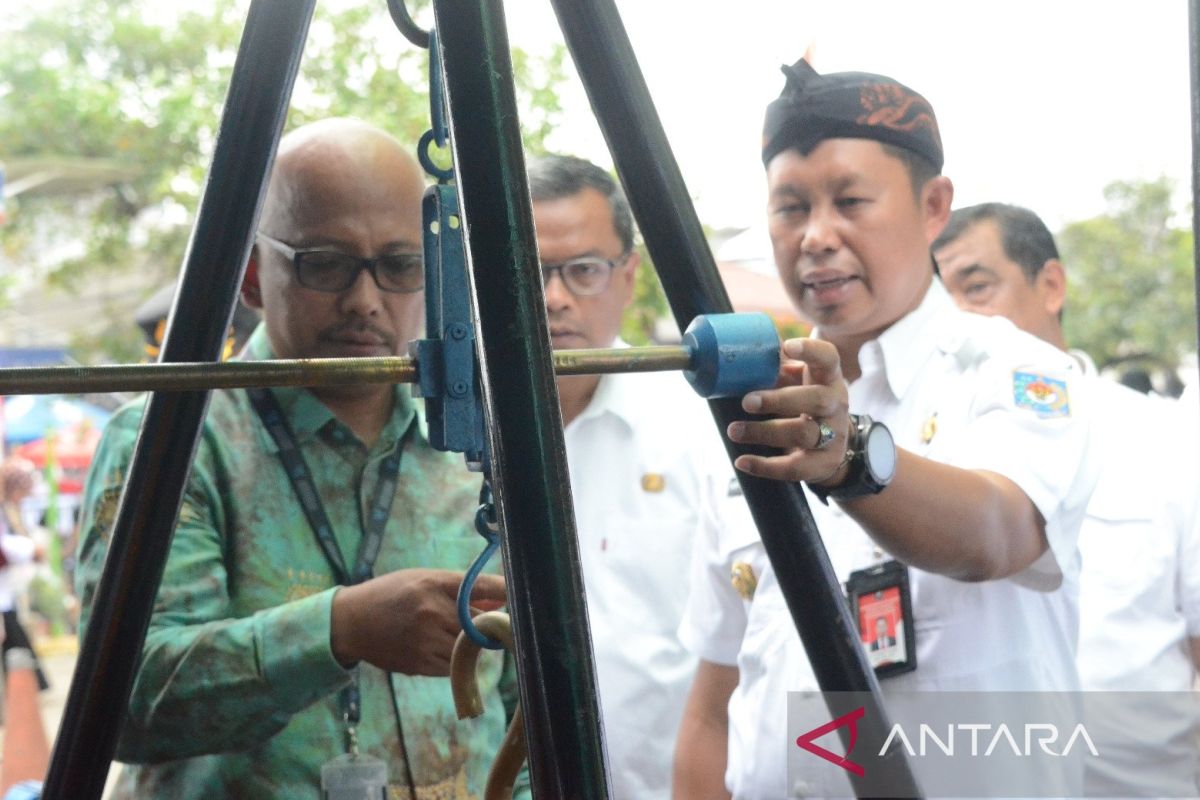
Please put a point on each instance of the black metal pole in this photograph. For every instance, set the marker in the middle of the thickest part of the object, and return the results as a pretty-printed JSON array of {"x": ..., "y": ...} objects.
[
  {"x": 1194, "y": 58},
  {"x": 660, "y": 201},
  {"x": 255, "y": 109},
  {"x": 557, "y": 680}
]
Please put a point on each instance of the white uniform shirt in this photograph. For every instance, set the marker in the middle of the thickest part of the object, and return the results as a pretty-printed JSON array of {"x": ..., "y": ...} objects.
[
  {"x": 1139, "y": 594},
  {"x": 641, "y": 456},
  {"x": 14, "y": 576},
  {"x": 941, "y": 364}
]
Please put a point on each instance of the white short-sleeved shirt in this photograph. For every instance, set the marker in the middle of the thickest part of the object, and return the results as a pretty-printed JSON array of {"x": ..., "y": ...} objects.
[
  {"x": 14, "y": 577},
  {"x": 959, "y": 374},
  {"x": 641, "y": 457},
  {"x": 1139, "y": 593}
]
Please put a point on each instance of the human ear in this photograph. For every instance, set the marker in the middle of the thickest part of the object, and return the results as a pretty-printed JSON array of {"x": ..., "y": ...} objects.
[
  {"x": 628, "y": 276},
  {"x": 1052, "y": 286},
  {"x": 937, "y": 196},
  {"x": 251, "y": 291}
]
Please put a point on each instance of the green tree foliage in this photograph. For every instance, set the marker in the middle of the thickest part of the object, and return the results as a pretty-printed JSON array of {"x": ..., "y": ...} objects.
[
  {"x": 1130, "y": 289},
  {"x": 141, "y": 85}
]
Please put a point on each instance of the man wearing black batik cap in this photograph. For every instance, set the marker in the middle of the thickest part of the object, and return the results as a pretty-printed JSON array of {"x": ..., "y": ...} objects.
[{"x": 936, "y": 446}]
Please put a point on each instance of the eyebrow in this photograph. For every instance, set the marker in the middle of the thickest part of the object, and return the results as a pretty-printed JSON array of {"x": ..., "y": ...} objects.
[
  {"x": 342, "y": 246},
  {"x": 973, "y": 270}
]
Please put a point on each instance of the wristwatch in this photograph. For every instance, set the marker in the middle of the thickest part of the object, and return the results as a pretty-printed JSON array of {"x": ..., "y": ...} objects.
[{"x": 871, "y": 454}]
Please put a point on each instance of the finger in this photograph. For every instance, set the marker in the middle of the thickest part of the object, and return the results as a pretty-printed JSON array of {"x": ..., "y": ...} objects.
[
  {"x": 821, "y": 358},
  {"x": 435, "y": 666},
  {"x": 489, "y": 588},
  {"x": 779, "y": 468},
  {"x": 801, "y": 433},
  {"x": 478, "y": 607},
  {"x": 815, "y": 401}
]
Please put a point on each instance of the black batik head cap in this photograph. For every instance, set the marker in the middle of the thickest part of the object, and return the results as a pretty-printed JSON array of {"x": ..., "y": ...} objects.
[{"x": 851, "y": 105}]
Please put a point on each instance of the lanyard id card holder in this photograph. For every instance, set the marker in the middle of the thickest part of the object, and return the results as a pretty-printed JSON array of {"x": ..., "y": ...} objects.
[
  {"x": 353, "y": 775},
  {"x": 882, "y": 607}
]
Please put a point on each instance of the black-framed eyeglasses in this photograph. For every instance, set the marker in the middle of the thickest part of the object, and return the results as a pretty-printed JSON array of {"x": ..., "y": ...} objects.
[
  {"x": 326, "y": 270},
  {"x": 584, "y": 276}
]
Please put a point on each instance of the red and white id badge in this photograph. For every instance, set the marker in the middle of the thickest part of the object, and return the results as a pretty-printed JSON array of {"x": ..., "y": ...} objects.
[{"x": 882, "y": 607}]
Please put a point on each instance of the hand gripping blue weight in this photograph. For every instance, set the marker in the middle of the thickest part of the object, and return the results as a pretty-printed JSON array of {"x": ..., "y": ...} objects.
[{"x": 732, "y": 354}]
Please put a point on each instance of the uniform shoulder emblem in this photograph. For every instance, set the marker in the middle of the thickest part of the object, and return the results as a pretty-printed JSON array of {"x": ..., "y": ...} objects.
[
  {"x": 744, "y": 581},
  {"x": 1045, "y": 396}
]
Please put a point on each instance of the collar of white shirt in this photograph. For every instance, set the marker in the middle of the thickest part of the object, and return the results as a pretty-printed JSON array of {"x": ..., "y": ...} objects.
[
  {"x": 613, "y": 396},
  {"x": 904, "y": 347}
]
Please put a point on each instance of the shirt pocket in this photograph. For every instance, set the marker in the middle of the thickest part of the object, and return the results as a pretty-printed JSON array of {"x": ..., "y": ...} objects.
[
  {"x": 1125, "y": 547},
  {"x": 643, "y": 569}
]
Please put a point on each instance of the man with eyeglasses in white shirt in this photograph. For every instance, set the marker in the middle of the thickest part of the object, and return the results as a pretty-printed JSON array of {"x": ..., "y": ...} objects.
[{"x": 645, "y": 460}]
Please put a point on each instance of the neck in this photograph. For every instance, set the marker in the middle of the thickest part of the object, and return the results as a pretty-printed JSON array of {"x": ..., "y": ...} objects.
[
  {"x": 365, "y": 411},
  {"x": 574, "y": 394}
]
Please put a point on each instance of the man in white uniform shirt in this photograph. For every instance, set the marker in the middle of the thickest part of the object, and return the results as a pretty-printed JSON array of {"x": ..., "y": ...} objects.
[
  {"x": 981, "y": 494},
  {"x": 1139, "y": 595},
  {"x": 642, "y": 451}
]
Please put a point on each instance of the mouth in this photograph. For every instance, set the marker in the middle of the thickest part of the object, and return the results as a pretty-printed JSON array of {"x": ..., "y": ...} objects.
[
  {"x": 562, "y": 335},
  {"x": 827, "y": 289},
  {"x": 825, "y": 283},
  {"x": 362, "y": 342}
]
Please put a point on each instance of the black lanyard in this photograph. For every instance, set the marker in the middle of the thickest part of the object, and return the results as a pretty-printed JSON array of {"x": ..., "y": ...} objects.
[{"x": 305, "y": 487}]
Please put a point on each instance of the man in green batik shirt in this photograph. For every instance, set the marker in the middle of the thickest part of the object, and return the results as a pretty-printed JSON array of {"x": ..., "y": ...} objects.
[{"x": 253, "y": 642}]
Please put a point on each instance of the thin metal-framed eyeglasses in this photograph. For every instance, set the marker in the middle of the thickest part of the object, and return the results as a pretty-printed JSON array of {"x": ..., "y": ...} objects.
[
  {"x": 585, "y": 276},
  {"x": 325, "y": 270}
]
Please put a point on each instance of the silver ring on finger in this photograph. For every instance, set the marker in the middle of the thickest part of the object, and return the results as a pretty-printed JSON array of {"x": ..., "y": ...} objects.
[{"x": 825, "y": 435}]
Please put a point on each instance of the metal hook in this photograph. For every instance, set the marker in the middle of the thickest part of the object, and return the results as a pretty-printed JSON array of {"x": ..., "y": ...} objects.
[
  {"x": 404, "y": 21},
  {"x": 489, "y": 528}
]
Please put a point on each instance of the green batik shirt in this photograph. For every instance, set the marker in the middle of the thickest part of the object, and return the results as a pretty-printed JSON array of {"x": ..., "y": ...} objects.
[{"x": 238, "y": 691}]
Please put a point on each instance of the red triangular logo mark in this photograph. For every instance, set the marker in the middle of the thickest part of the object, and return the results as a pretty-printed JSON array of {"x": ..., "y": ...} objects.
[{"x": 805, "y": 741}]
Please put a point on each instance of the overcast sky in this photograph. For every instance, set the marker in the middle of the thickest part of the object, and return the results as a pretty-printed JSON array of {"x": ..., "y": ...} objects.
[{"x": 1040, "y": 103}]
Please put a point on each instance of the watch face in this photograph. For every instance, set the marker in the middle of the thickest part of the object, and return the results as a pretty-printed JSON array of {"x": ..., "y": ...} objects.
[{"x": 881, "y": 454}]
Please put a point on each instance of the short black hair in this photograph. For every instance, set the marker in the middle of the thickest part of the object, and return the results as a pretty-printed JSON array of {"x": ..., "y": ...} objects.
[
  {"x": 1026, "y": 240},
  {"x": 920, "y": 169},
  {"x": 553, "y": 177}
]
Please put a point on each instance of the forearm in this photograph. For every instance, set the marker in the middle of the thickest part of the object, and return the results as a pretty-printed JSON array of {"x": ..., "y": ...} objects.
[
  {"x": 968, "y": 525},
  {"x": 229, "y": 684},
  {"x": 701, "y": 751}
]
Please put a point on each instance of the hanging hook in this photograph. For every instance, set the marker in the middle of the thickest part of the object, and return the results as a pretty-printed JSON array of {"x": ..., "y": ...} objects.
[
  {"x": 488, "y": 527},
  {"x": 404, "y": 21}
]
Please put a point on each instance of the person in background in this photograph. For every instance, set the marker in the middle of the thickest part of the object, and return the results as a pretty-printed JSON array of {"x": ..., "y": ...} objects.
[
  {"x": 1139, "y": 591},
  {"x": 645, "y": 460},
  {"x": 20, "y": 551}
]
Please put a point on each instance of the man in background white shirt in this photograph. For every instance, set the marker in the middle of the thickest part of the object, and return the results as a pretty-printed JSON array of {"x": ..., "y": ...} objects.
[
  {"x": 644, "y": 455},
  {"x": 1139, "y": 591}
]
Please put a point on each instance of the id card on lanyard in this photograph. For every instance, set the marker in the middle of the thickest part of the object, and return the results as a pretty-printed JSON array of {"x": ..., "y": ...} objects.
[
  {"x": 354, "y": 775},
  {"x": 882, "y": 607}
]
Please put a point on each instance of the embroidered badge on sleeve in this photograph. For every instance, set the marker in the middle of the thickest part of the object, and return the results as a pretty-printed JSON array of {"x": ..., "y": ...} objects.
[{"x": 1041, "y": 394}]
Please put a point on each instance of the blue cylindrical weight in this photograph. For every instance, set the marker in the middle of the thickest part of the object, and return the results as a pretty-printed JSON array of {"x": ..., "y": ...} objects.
[{"x": 732, "y": 354}]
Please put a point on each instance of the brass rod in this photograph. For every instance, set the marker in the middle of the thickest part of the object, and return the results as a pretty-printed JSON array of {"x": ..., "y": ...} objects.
[{"x": 302, "y": 372}]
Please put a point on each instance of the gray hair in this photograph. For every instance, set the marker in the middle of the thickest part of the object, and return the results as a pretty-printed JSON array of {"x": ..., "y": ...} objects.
[{"x": 553, "y": 177}]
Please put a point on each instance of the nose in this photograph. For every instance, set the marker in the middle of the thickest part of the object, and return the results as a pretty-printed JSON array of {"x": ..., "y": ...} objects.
[
  {"x": 820, "y": 232},
  {"x": 364, "y": 297},
  {"x": 558, "y": 296}
]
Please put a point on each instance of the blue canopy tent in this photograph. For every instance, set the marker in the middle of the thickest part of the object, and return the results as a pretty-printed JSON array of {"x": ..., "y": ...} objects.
[{"x": 28, "y": 417}]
